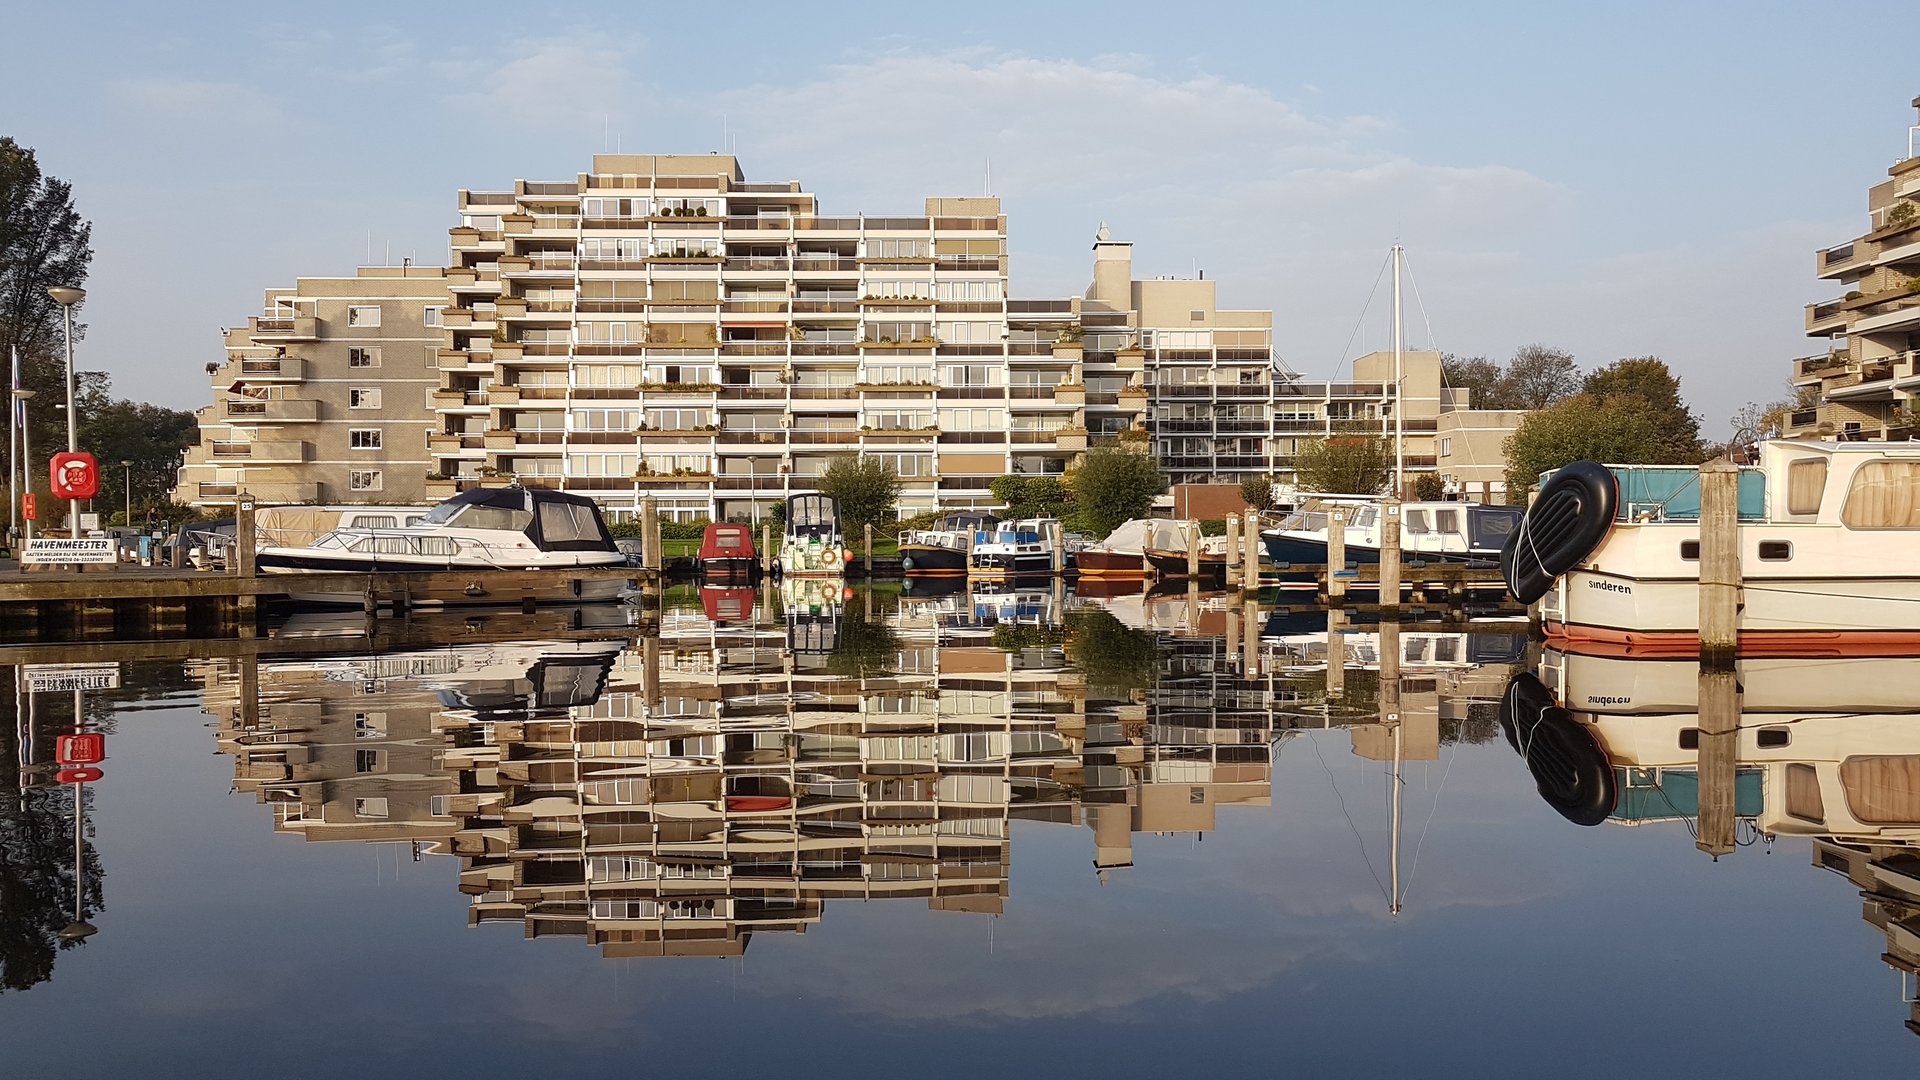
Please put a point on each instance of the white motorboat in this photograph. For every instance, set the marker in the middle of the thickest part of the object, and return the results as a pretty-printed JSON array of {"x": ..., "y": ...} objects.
[
  {"x": 1444, "y": 531},
  {"x": 487, "y": 529},
  {"x": 812, "y": 543},
  {"x": 941, "y": 551},
  {"x": 1017, "y": 548},
  {"x": 1124, "y": 552},
  {"x": 1827, "y": 537}
]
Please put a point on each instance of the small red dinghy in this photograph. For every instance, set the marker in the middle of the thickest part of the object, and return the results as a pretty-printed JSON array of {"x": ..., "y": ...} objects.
[{"x": 727, "y": 553}]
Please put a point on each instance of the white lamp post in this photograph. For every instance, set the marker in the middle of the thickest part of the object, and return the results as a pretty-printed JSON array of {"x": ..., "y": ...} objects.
[
  {"x": 26, "y": 451},
  {"x": 67, "y": 296},
  {"x": 128, "y": 466}
]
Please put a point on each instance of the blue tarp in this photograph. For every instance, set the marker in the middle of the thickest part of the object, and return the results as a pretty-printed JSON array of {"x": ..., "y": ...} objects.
[
  {"x": 1653, "y": 794},
  {"x": 1672, "y": 492}
]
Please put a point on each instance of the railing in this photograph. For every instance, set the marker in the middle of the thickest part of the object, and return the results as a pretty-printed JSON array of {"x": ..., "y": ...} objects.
[
  {"x": 1800, "y": 418},
  {"x": 747, "y": 307},
  {"x": 237, "y": 407},
  {"x": 975, "y": 392},
  {"x": 232, "y": 449},
  {"x": 825, "y": 224},
  {"x": 967, "y": 262},
  {"x": 259, "y": 367},
  {"x": 753, "y": 348},
  {"x": 553, "y": 187},
  {"x": 825, "y": 307},
  {"x": 826, "y": 262},
  {"x": 1834, "y": 255},
  {"x": 1039, "y": 307},
  {"x": 1827, "y": 310},
  {"x": 758, "y": 262},
  {"x": 753, "y": 393},
  {"x": 967, "y": 224}
]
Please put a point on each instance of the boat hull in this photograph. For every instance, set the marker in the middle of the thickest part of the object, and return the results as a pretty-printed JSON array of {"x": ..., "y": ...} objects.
[
  {"x": 995, "y": 564},
  {"x": 1096, "y": 563},
  {"x": 932, "y": 560},
  {"x": 735, "y": 571},
  {"x": 1174, "y": 564}
]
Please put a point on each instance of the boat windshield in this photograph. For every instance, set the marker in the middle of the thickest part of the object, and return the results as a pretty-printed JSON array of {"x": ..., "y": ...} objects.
[{"x": 477, "y": 516}]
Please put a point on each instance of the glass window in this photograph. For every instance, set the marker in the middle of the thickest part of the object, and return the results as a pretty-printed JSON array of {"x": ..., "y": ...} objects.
[
  {"x": 364, "y": 438},
  {"x": 492, "y": 517},
  {"x": 363, "y": 316},
  {"x": 1803, "y": 794},
  {"x": 363, "y": 358},
  {"x": 1882, "y": 495},
  {"x": 363, "y": 398},
  {"x": 1417, "y": 523},
  {"x": 430, "y": 316},
  {"x": 1446, "y": 521},
  {"x": 1883, "y": 790},
  {"x": 1806, "y": 479},
  {"x": 363, "y": 480}
]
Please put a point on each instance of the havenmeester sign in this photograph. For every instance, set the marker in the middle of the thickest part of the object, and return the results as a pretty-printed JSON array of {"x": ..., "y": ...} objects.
[{"x": 85, "y": 549}]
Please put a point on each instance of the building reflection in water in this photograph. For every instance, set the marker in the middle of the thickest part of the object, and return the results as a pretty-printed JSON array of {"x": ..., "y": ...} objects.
[
  {"x": 1827, "y": 748},
  {"x": 738, "y": 769}
]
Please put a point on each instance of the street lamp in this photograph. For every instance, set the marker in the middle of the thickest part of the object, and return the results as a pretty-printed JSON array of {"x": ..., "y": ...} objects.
[
  {"x": 128, "y": 465},
  {"x": 67, "y": 296},
  {"x": 26, "y": 452}
]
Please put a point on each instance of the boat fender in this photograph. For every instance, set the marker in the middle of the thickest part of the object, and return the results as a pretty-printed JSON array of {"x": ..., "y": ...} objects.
[
  {"x": 906, "y": 562},
  {"x": 846, "y": 555},
  {"x": 1566, "y": 522},
  {"x": 1569, "y": 767}
]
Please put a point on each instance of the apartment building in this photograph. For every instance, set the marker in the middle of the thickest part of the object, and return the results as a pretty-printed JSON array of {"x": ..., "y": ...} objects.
[
  {"x": 326, "y": 396},
  {"x": 1861, "y": 385}
]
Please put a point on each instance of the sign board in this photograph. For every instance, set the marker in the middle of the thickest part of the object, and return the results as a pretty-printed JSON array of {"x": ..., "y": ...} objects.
[
  {"x": 89, "y": 748},
  {"x": 26, "y": 506},
  {"x": 53, "y": 678},
  {"x": 89, "y": 522},
  {"x": 85, "y": 549}
]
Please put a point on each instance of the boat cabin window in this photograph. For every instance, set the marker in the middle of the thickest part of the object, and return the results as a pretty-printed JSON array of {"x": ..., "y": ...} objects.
[
  {"x": 562, "y": 523},
  {"x": 1803, "y": 794},
  {"x": 1446, "y": 521},
  {"x": 1806, "y": 479},
  {"x": 1489, "y": 527},
  {"x": 1883, "y": 495},
  {"x": 374, "y": 521},
  {"x": 477, "y": 516},
  {"x": 1366, "y": 516},
  {"x": 726, "y": 539},
  {"x": 1416, "y": 523},
  {"x": 1883, "y": 789}
]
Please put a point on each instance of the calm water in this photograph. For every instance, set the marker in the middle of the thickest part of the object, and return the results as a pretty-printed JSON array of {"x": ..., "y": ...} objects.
[{"x": 1027, "y": 834}]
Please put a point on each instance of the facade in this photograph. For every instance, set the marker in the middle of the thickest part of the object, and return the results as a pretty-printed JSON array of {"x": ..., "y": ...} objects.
[
  {"x": 660, "y": 327},
  {"x": 1862, "y": 384},
  {"x": 326, "y": 396}
]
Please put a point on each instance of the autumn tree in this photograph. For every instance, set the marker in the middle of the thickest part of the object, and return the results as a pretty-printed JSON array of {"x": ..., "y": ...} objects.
[
  {"x": 1257, "y": 491},
  {"x": 867, "y": 489},
  {"x": 1481, "y": 377},
  {"x": 1350, "y": 462},
  {"x": 1623, "y": 429},
  {"x": 1113, "y": 485},
  {"x": 1536, "y": 377},
  {"x": 43, "y": 242},
  {"x": 1032, "y": 496},
  {"x": 1648, "y": 379}
]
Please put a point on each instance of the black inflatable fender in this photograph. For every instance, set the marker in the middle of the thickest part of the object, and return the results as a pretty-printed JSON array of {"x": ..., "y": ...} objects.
[
  {"x": 1567, "y": 521},
  {"x": 1570, "y": 768}
]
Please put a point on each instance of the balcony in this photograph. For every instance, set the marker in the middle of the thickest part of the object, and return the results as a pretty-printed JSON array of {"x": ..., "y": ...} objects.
[
  {"x": 273, "y": 369},
  {"x": 1837, "y": 261},
  {"x": 285, "y": 328},
  {"x": 282, "y": 452},
  {"x": 271, "y": 492},
  {"x": 1827, "y": 317},
  {"x": 242, "y": 410},
  {"x": 1811, "y": 369}
]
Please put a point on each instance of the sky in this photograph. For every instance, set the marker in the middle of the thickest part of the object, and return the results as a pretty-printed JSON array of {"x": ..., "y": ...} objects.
[{"x": 1615, "y": 180}]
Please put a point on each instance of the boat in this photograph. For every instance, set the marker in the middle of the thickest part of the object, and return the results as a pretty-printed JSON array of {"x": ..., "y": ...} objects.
[
  {"x": 1016, "y": 548},
  {"x": 1173, "y": 562},
  {"x": 1826, "y": 541},
  {"x": 812, "y": 543},
  {"x": 495, "y": 529},
  {"x": 295, "y": 526},
  {"x": 726, "y": 555},
  {"x": 1435, "y": 531},
  {"x": 1123, "y": 552},
  {"x": 941, "y": 551}
]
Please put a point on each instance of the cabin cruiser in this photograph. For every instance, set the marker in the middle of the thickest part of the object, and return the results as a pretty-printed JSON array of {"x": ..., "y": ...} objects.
[
  {"x": 507, "y": 529},
  {"x": 1173, "y": 562},
  {"x": 812, "y": 543},
  {"x": 1017, "y": 548},
  {"x": 1449, "y": 531},
  {"x": 1124, "y": 552},
  {"x": 726, "y": 555},
  {"x": 942, "y": 550},
  {"x": 1826, "y": 535}
]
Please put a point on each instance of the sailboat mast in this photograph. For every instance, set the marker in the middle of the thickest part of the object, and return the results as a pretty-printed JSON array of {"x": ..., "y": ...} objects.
[
  {"x": 1393, "y": 906},
  {"x": 1399, "y": 385}
]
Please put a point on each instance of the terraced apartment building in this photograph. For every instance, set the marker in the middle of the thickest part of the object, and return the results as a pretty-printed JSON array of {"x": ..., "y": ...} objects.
[
  {"x": 1862, "y": 384},
  {"x": 660, "y": 327}
]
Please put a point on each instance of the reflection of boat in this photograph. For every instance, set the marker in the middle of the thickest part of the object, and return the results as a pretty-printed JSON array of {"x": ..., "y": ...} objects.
[
  {"x": 1173, "y": 562},
  {"x": 1027, "y": 546},
  {"x": 725, "y": 605},
  {"x": 812, "y": 543},
  {"x": 1826, "y": 550},
  {"x": 1609, "y": 685},
  {"x": 942, "y": 549},
  {"x": 727, "y": 555},
  {"x": 487, "y": 529},
  {"x": 1124, "y": 552}
]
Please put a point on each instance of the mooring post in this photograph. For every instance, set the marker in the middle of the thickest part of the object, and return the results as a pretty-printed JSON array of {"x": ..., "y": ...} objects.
[
  {"x": 1193, "y": 552},
  {"x": 766, "y": 549},
  {"x": 650, "y": 669},
  {"x": 1059, "y": 549},
  {"x": 651, "y": 556},
  {"x": 247, "y": 611},
  {"x": 1336, "y": 556},
  {"x": 1250, "y": 636},
  {"x": 867, "y": 530},
  {"x": 1233, "y": 634},
  {"x": 1719, "y": 683},
  {"x": 1250, "y": 550},
  {"x": 1336, "y": 653},
  {"x": 1390, "y": 555},
  {"x": 1233, "y": 551}
]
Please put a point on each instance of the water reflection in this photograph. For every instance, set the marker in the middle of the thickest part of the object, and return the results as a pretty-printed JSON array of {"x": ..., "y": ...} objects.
[
  {"x": 1825, "y": 747},
  {"x": 766, "y": 752}
]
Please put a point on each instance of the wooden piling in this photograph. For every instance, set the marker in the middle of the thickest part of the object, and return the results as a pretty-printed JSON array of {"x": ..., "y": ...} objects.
[
  {"x": 867, "y": 529},
  {"x": 247, "y": 611},
  {"x": 1193, "y": 552},
  {"x": 650, "y": 554},
  {"x": 1250, "y": 550},
  {"x": 1719, "y": 760},
  {"x": 1250, "y": 636},
  {"x": 1390, "y": 555},
  {"x": 1233, "y": 634},
  {"x": 767, "y": 554},
  {"x": 1336, "y": 653},
  {"x": 1719, "y": 562},
  {"x": 1336, "y": 555},
  {"x": 1233, "y": 551},
  {"x": 1390, "y": 672},
  {"x": 1059, "y": 549}
]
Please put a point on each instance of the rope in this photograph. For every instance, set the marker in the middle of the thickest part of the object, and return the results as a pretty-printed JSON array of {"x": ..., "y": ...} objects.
[
  {"x": 1346, "y": 353},
  {"x": 1420, "y": 843},
  {"x": 1343, "y": 812}
]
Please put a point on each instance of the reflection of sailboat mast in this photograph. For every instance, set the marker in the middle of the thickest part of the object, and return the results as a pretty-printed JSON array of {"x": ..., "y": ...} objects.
[{"x": 1393, "y": 903}]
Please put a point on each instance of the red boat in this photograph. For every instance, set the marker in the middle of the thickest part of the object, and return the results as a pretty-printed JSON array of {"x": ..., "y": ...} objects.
[
  {"x": 725, "y": 605},
  {"x": 727, "y": 554}
]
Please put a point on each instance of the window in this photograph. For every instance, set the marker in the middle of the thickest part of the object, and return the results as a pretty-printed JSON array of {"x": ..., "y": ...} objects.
[
  {"x": 363, "y": 397},
  {"x": 1882, "y": 495},
  {"x": 370, "y": 808},
  {"x": 364, "y": 316},
  {"x": 363, "y": 358},
  {"x": 363, "y": 480},
  {"x": 1416, "y": 522},
  {"x": 370, "y": 725},
  {"x": 369, "y": 761},
  {"x": 1446, "y": 446},
  {"x": 363, "y": 438},
  {"x": 1803, "y": 794},
  {"x": 1446, "y": 521},
  {"x": 430, "y": 317},
  {"x": 1806, "y": 479}
]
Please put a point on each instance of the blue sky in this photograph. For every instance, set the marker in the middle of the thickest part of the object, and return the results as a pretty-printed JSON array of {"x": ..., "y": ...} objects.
[{"x": 1615, "y": 179}]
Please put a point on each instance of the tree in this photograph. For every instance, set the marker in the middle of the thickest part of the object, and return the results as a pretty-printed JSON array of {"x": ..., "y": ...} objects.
[
  {"x": 1537, "y": 377},
  {"x": 1356, "y": 461},
  {"x": 1754, "y": 422},
  {"x": 149, "y": 436},
  {"x": 1428, "y": 487},
  {"x": 1116, "y": 659},
  {"x": 1648, "y": 379},
  {"x": 1258, "y": 492},
  {"x": 1477, "y": 375},
  {"x": 1623, "y": 429},
  {"x": 867, "y": 489},
  {"x": 1113, "y": 485},
  {"x": 43, "y": 242},
  {"x": 1033, "y": 496}
]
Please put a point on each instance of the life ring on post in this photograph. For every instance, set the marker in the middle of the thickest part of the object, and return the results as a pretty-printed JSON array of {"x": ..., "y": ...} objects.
[{"x": 1566, "y": 522}]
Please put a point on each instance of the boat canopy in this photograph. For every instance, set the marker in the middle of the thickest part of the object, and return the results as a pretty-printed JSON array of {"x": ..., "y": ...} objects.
[
  {"x": 553, "y": 520},
  {"x": 967, "y": 519},
  {"x": 813, "y": 513},
  {"x": 1672, "y": 492}
]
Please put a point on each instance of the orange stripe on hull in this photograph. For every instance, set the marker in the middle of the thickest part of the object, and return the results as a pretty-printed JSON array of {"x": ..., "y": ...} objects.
[{"x": 1603, "y": 641}]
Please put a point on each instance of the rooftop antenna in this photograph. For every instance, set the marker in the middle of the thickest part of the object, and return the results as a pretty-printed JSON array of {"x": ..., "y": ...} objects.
[{"x": 989, "y": 180}]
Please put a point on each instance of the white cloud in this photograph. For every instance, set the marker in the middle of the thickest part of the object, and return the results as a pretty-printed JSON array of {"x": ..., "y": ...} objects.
[
  {"x": 563, "y": 82},
  {"x": 198, "y": 101}
]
